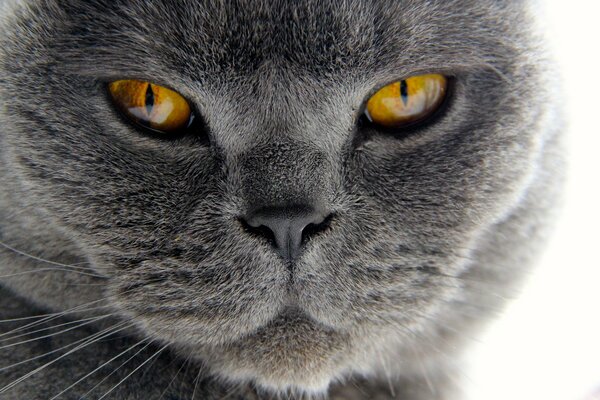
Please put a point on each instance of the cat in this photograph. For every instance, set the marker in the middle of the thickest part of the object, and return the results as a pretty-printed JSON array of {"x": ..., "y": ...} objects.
[{"x": 279, "y": 237}]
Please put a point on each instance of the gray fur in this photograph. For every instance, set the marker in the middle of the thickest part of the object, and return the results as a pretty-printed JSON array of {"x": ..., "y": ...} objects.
[{"x": 431, "y": 231}]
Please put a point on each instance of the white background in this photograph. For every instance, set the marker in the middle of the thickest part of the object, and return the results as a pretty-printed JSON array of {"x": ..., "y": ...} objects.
[{"x": 547, "y": 346}]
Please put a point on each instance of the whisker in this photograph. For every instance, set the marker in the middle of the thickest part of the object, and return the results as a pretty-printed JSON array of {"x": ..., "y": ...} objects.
[
  {"x": 26, "y": 318},
  {"x": 104, "y": 333},
  {"x": 173, "y": 379},
  {"x": 424, "y": 370},
  {"x": 114, "y": 371},
  {"x": 48, "y": 328},
  {"x": 231, "y": 392},
  {"x": 197, "y": 378},
  {"x": 411, "y": 335},
  {"x": 134, "y": 371},
  {"x": 100, "y": 367},
  {"x": 50, "y": 262},
  {"x": 186, "y": 373},
  {"x": 436, "y": 322},
  {"x": 50, "y": 317},
  {"x": 36, "y": 316},
  {"x": 48, "y": 353},
  {"x": 89, "y": 321},
  {"x": 449, "y": 359},
  {"x": 386, "y": 372},
  {"x": 86, "y": 284},
  {"x": 53, "y": 269}
]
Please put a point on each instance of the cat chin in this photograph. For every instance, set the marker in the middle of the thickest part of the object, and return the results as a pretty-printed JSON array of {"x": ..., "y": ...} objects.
[
  {"x": 291, "y": 355},
  {"x": 303, "y": 385}
]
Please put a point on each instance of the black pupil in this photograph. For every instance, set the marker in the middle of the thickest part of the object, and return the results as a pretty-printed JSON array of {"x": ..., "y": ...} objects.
[
  {"x": 149, "y": 99},
  {"x": 404, "y": 92}
]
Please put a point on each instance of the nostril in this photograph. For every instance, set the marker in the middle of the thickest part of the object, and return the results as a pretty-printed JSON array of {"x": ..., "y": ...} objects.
[
  {"x": 260, "y": 230},
  {"x": 313, "y": 229}
]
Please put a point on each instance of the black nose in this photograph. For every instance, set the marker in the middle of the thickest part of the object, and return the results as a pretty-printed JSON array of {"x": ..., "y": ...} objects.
[{"x": 288, "y": 227}]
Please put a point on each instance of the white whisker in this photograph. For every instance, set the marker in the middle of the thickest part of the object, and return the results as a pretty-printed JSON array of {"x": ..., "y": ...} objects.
[
  {"x": 52, "y": 316},
  {"x": 424, "y": 370},
  {"x": 98, "y": 336},
  {"x": 429, "y": 341},
  {"x": 52, "y": 269},
  {"x": 46, "y": 354},
  {"x": 47, "y": 328},
  {"x": 33, "y": 317},
  {"x": 56, "y": 333},
  {"x": 388, "y": 375},
  {"x": 173, "y": 379},
  {"x": 196, "y": 379},
  {"x": 100, "y": 367},
  {"x": 134, "y": 371},
  {"x": 22, "y": 253},
  {"x": 114, "y": 371}
]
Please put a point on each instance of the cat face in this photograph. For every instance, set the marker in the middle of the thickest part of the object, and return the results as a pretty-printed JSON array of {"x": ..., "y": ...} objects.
[{"x": 385, "y": 219}]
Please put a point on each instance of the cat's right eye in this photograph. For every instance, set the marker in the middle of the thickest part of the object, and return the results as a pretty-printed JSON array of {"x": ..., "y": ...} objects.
[{"x": 151, "y": 106}]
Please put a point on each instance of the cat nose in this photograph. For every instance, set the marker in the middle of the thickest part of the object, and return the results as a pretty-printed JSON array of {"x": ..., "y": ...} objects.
[{"x": 288, "y": 227}]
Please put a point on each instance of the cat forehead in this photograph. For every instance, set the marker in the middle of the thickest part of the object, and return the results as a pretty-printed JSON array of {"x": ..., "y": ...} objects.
[{"x": 313, "y": 35}]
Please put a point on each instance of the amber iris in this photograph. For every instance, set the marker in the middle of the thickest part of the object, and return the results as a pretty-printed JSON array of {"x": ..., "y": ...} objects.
[
  {"x": 405, "y": 102},
  {"x": 150, "y": 105}
]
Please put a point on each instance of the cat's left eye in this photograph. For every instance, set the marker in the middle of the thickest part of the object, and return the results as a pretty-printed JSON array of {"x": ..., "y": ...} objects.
[
  {"x": 151, "y": 106},
  {"x": 408, "y": 101}
]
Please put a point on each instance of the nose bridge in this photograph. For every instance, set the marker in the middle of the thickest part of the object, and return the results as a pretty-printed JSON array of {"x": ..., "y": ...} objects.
[
  {"x": 283, "y": 172},
  {"x": 286, "y": 185},
  {"x": 285, "y": 191}
]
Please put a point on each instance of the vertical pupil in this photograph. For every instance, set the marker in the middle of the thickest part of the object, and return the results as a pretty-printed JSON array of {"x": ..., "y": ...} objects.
[
  {"x": 149, "y": 99},
  {"x": 404, "y": 92}
]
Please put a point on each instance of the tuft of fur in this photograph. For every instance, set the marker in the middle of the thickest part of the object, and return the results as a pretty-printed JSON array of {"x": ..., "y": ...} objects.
[{"x": 138, "y": 240}]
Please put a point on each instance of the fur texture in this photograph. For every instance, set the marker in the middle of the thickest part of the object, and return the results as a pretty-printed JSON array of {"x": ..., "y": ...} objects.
[{"x": 432, "y": 229}]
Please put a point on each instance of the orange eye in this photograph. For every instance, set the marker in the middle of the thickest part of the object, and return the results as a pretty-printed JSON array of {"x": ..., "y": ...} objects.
[
  {"x": 150, "y": 105},
  {"x": 407, "y": 101}
]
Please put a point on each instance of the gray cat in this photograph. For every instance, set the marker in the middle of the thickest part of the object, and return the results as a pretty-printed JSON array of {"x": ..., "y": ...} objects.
[{"x": 260, "y": 199}]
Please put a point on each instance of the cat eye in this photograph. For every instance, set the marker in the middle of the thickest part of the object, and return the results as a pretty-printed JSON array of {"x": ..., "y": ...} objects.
[
  {"x": 150, "y": 105},
  {"x": 406, "y": 102}
]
